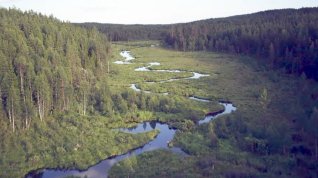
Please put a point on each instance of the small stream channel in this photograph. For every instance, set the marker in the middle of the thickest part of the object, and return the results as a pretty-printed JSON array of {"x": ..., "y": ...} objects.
[{"x": 161, "y": 141}]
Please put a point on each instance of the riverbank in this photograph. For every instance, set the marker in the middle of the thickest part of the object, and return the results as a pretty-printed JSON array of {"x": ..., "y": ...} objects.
[
  {"x": 246, "y": 143},
  {"x": 256, "y": 140},
  {"x": 162, "y": 141}
]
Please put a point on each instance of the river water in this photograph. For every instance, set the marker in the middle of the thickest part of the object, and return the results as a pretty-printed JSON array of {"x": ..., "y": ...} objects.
[{"x": 161, "y": 141}]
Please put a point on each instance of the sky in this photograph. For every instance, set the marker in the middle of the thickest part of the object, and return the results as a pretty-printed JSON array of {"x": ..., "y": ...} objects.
[{"x": 150, "y": 11}]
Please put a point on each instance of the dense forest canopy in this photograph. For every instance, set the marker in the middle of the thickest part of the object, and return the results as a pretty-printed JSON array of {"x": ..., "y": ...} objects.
[
  {"x": 117, "y": 32},
  {"x": 286, "y": 39},
  {"x": 48, "y": 67}
]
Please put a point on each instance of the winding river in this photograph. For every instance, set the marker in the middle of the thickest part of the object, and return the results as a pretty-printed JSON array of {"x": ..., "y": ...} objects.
[{"x": 160, "y": 142}]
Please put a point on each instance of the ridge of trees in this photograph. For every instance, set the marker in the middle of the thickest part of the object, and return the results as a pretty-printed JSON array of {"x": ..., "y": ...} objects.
[
  {"x": 48, "y": 67},
  {"x": 118, "y": 32},
  {"x": 285, "y": 39}
]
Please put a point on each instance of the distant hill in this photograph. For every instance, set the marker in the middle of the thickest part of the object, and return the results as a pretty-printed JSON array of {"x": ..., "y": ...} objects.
[
  {"x": 117, "y": 32},
  {"x": 286, "y": 38},
  {"x": 283, "y": 38}
]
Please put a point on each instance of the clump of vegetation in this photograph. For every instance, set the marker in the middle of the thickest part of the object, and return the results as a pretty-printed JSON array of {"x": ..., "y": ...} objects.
[{"x": 158, "y": 163}]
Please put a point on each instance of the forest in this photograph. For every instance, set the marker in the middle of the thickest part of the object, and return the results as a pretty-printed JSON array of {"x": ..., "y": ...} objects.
[
  {"x": 48, "y": 67},
  {"x": 55, "y": 96},
  {"x": 285, "y": 39},
  {"x": 64, "y": 99},
  {"x": 118, "y": 32}
]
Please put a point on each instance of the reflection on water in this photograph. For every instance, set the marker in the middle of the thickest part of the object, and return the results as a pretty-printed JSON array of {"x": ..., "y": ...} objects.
[
  {"x": 122, "y": 62},
  {"x": 135, "y": 88},
  {"x": 101, "y": 169},
  {"x": 161, "y": 141},
  {"x": 198, "y": 75},
  {"x": 166, "y": 134},
  {"x": 127, "y": 58},
  {"x": 228, "y": 108},
  {"x": 127, "y": 55},
  {"x": 199, "y": 99},
  {"x": 146, "y": 69}
]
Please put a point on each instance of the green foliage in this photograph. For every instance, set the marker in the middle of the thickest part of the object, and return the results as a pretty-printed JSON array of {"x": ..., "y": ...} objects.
[
  {"x": 158, "y": 163},
  {"x": 49, "y": 67},
  {"x": 117, "y": 32},
  {"x": 270, "y": 35},
  {"x": 57, "y": 73},
  {"x": 73, "y": 141},
  {"x": 268, "y": 136}
]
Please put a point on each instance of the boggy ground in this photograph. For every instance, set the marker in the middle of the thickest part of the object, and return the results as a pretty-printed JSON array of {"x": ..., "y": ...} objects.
[
  {"x": 74, "y": 141},
  {"x": 270, "y": 135},
  {"x": 69, "y": 141}
]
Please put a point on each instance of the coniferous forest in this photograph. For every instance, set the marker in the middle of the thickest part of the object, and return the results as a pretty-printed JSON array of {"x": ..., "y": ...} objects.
[
  {"x": 224, "y": 97},
  {"x": 117, "y": 32},
  {"x": 48, "y": 67},
  {"x": 285, "y": 38}
]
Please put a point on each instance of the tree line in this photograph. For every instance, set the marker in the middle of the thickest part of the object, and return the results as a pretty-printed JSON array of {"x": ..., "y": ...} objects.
[
  {"x": 285, "y": 39},
  {"x": 117, "y": 32}
]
